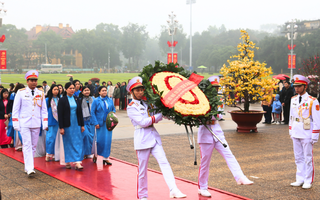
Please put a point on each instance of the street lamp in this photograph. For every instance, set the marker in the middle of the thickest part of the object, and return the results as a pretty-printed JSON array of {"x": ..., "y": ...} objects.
[
  {"x": 191, "y": 2},
  {"x": 173, "y": 25},
  {"x": 292, "y": 35},
  {"x": 3, "y": 12}
]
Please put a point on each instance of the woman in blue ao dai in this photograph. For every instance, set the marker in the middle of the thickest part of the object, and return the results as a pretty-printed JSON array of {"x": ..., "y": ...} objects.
[
  {"x": 101, "y": 106},
  {"x": 71, "y": 126},
  {"x": 88, "y": 134},
  {"x": 53, "y": 126}
]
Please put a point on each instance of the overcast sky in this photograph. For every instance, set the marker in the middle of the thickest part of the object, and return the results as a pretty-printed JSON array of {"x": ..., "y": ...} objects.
[{"x": 81, "y": 14}]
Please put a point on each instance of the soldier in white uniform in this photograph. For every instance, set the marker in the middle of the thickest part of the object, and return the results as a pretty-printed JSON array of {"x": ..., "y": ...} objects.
[
  {"x": 304, "y": 126},
  {"x": 29, "y": 110},
  {"x": 208, "y": 143},
  {"x": 147, "y": 141}
]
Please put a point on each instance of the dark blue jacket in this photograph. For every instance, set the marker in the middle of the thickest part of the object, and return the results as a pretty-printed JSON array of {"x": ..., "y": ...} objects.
[{"x": 64, "y": 112}]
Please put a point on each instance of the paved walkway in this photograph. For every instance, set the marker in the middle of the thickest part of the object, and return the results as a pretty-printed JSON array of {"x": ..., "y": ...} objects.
[{"x": 265, "y": 157}]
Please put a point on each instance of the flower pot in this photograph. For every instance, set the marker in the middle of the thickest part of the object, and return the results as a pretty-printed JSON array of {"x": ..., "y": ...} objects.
[{"x": 247, "y": 121}]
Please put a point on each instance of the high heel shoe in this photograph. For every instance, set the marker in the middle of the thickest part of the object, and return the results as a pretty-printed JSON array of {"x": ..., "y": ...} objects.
[
  {"x": 78, "y": 166},
  {"x": 94, "y": 159},
  {"x": 68, "y": 166},
  {"x": 47, "y": 158},
  {"x": 107, "y": 162}
]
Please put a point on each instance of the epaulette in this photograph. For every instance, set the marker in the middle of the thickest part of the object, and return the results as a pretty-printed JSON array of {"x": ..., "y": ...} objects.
[
  {"x": 311, "y": 97},
  {"x": 294, "y": 96},
  {"x": 21, "y": 89},
  {"x": 131, "y": 103}
]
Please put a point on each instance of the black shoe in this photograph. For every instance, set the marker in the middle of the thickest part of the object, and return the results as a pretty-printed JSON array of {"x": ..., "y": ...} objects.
[
  {"x": 107, "y": 162},
  {"x": 221, "y": 119},
  {"x": 268, "y": 123},
  {"x": 283, "y": 121},
  {"x": 264, "y": 122},
  {"x": 273, "y": 122}
]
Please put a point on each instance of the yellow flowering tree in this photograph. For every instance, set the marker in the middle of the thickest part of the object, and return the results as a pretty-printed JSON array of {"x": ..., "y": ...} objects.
[{"x": 245, "y": 77}]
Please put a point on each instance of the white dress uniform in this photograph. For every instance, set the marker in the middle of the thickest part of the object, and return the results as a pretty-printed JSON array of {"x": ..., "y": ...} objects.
[
  {"x": 28, "y": 112},
  {"x": 208, "y": 143},
  {"x": 147, "y": 141},
  {"x": 304, "y": 126}
]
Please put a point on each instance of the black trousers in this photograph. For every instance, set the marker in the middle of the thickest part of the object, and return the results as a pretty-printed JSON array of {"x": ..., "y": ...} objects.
[
  {"x": 286, "y": 113},
  {"x": 267, "y": 115}
]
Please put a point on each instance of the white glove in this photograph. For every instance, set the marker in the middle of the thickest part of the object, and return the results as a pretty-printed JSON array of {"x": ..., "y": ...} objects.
[
  {"x": 158, "y": 117},
  {"x": 315, "y": 137},
  {"x": 17, "y": 129}
]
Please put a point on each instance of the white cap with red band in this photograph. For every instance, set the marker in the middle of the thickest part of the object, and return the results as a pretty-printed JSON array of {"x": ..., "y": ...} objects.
[
  {"x": 300, "y": 80},
  {"x": 214, "y": 80},
  {"x": 32, "y": 74},
  {"x": 134, "y": 83}
]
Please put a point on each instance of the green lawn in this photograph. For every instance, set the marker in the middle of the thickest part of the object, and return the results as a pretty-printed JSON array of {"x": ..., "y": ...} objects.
[{"x": 6, "y": 79}]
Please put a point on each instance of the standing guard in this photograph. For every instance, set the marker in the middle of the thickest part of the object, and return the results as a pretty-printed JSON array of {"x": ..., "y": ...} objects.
[
  {"x": 304, "y": 126},
  {"x": 29, "y": 110}
]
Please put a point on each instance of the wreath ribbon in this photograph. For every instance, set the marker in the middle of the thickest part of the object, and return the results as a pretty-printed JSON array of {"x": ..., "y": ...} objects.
[{"x": 180, "y": 89}]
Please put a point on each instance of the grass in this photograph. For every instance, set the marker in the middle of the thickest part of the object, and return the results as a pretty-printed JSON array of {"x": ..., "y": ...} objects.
[{"x": 6, "y": 79}]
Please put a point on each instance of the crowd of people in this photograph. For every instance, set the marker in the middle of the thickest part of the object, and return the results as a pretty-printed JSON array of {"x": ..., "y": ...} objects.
[{"x": 65, "y": 123}]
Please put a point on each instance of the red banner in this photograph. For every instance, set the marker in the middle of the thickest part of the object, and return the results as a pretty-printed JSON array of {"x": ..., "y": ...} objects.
[
  {"x": 169, "y": 57},
  {"x": 180, "y": 89},
  {"x": 293, "y": 61},
  {"x": 175, "y": 58},
  {"x": 3, "y": 59}
]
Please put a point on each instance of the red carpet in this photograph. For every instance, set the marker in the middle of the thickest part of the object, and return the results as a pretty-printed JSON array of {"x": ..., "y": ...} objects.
[{"x": 117, "y": 181}]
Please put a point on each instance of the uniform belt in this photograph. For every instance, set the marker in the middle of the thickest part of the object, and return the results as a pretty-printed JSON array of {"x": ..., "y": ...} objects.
[
  {"x": 213, "y": 122},
  {"x": 138, "y": 126},
  {"x": 296, "y": 119}
]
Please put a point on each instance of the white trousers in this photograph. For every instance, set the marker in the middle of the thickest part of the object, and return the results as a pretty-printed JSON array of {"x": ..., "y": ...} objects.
[
  {"x": 303, "y": 153},
  {"x": 206, "y": 153},
  {"x": 143, "y": 158},
  {"x": 30, "y": 138}
]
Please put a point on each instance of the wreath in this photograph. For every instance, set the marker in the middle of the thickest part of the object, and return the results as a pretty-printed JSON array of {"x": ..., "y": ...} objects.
[{"x": 200, "y": 95}]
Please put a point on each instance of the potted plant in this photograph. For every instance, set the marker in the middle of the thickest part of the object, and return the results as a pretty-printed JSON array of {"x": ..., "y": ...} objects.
[{"x": 246, "y": 79}]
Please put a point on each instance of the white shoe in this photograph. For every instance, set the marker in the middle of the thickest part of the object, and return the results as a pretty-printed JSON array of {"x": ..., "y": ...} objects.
[
  {"x": 204, "y": 193},
  {"x": 30, "y": 172},
  {"x": 144, "y": 198},
  {"x": 307, "y": 186},
  {"x": 278, "y": 123},
  {"x": 176, "y": 193},
  {"x": 296, "y": 184},
  {"x": 244, "y": 181}
]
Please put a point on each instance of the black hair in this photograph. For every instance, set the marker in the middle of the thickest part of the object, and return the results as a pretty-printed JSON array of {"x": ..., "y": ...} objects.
[
  {"x": 86, "y": 83},
  {"x": 39, "y": 86},
  {"x": 62, "y": 88},
  {"x": 100, "y": 88},
  {"x": 1, "y": 86},
  {"x": 75, "y": 81},
  {"x": 54, "y": 82},
  {"x": 104, "y": 82},
  {"x": 81, "y": 93},
  {"x": 18, "y": 87},
  {"x": 44, "y": 82},
  {"x": 11, "y": 86},
  {"x": 110, "y": 82},
  {"x": 66, "y": 86},
  {"x": 50, "y": 95},
  {"x": 3, "y": 91}
]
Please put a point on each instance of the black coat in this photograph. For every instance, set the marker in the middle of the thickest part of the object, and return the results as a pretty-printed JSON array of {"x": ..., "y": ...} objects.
[
  {"x": 9, "y": 108},
  {"x": 287, "y": 95},
  {"x": 64, "y": 112}
]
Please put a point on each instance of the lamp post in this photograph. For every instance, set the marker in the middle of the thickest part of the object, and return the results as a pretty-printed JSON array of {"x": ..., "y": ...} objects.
[
  {"x": 191, "y": 2},
  {"x": 3, "y": 12},
  {"x": 173, "y": 25},
  {"x": 292, "y": 35}
]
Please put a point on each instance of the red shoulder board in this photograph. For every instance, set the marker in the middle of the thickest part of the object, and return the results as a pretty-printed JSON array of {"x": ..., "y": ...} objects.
[
  {"x": 294, "y": 96},
  {"x": 312, "y": 97},
  {"x": 131, "y": 103}
]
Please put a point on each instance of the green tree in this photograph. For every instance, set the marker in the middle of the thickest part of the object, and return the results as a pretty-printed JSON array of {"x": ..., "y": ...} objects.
[
  {"x": 133, "y": 43},
  {"x": 16, "y": 44}
]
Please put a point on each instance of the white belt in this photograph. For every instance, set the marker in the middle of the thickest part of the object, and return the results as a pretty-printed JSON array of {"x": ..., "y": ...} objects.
[{"x": 139, "y": 127}]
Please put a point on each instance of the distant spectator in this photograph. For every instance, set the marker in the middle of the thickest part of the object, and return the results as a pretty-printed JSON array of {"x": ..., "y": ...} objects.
[
  {"x": 96, "y": 89},
  {"x": 77, "y": 86},
  {"x": 54, "y": 83},
  {"x": 104, "y": 83},
  {"x": 11, "y": 88},
  {"x": 85, "y": 83},
  {"x": 46, "y": 87},
  {"x": 276, "y": 109},
  {"x": 61, "y": 90},
  {"x": 287, "y": 93},
  {"x": 116, "y": 96},
  {"x": 266, "y": 105},
  {"x": 110, "y": 89},
  {"x": 129, "y": 94},
  {"x": 39, "y": 87},
  {"x": 123, "y": 96},
  {"x": 91, "y": 87}
]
